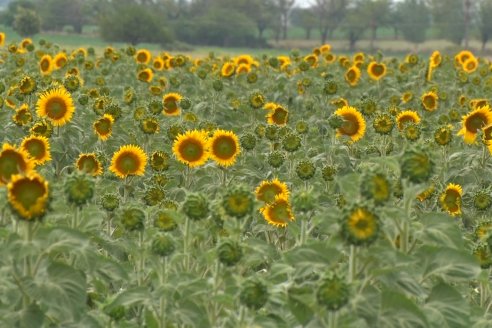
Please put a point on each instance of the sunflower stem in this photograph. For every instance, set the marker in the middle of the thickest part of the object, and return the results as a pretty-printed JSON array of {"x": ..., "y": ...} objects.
[
  {"x": 485, "y": 153},
  {"x": 162, "y": 305},
  {"x": 141, "y": 265},
  {"x": 352, "y": 263},
  {"x": 28, "y": 232},
  {"x": 186, "y": 243},
  {"x": 444, "y": 170},
  {"x": 404, "y": 237},
  {"x": 332, "y": 319}
]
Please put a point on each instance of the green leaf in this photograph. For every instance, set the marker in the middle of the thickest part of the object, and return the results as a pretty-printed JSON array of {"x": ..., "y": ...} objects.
[
  {"x": 349, "y": 185},
  {"x": 399, "y": 311},
  {"x": 150, "y": 320},
  {"x": 315, "y": 253},
  {"x": 129, "y": 297},
  {"x": 297, "y": 301},
  {"x": 447, "y": 308},
  {"x": 441, "y": 230},
  {"x": 32, "y": 316}
]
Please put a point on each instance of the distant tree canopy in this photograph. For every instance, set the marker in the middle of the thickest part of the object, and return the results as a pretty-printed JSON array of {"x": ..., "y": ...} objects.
[
  {"x": 26, "y": 22},
  {"x": 413, "y": 20}
]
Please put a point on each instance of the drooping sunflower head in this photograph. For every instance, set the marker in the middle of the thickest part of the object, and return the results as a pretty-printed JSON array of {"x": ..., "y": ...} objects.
[
  {"x": 429, "y": 101},
  {"x": 279, "y": 116},
  {"x": 145, "y": 75},
  {"x": 143, "y": 56},
  {"x": 450, "y": 199},
  {"x": 149, "y": 125},
  {"x": 57, "y": 105},
  {"x": 191, "y": 148},
  {"x": 435, "y": 59},
  {"x": 27, "y": 85},
  {"x": 268, "y": 190},
  {"x": 128, "y": 160},
  {"x": 60, "y": 60},
  {"x": 376, "y": 70},
  {"x": 360, "y": 226},
  {"x": 278, "y": 212},
  {"x": 376, "y": 187},
  {"x": 38, "y": 148},
  {"x": 352, "y": 76},
  {"x": 22, "y": 115},
  {"x": 383, "y": 123},
  {"x": 243, "y": 69},
  {"x": 103, "y": 127},
  {"x": 443, "y": 135},
  {"x": 405, "y": 117},
  {"x": 159, "y": 161},
  {"x": 353, "y": 126},
  {"x": 475, "y": 121},
  {"x": 237, "y": 202},
  {"x": 224, "y": 147},
  {"x": 89, "y": 163},
  {"x": 46, "y": 65},
  {"x": 170, "y": 102},
  {"x": 28, "y": 195},
  {"x": 13, "y": 161}
]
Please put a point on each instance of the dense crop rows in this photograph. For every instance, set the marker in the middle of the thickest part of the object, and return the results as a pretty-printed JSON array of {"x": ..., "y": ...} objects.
[{"x": 141, "y": 189}]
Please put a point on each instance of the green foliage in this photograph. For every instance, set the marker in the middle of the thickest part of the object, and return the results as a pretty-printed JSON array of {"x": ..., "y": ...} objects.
[
  {"x": 413, "y": 20},
  {"x": 449, "y": 18},
  {"x": 27, "y": 22}
]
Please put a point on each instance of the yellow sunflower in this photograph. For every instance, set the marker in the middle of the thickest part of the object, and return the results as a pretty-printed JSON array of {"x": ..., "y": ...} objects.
[
  {"x": 470, "y": 65},
  {"x": 170, "y": 102},
  {"x": 270, "y": 106},
  {"x": 60, "y": 60},
  {"x": 406, "y": 97},
  {"x": 354, "y": 125},
  {"x": 462, "y": 56},
  {"x": 191, "y": 148},
  {"x": 312, "y": 60},
  {"x": 88, "y": 163},
  {"x": 158, "y": 64},
  {"x": 38, "y": 148},
  {"x": 2, "y": 39},
  {"x": 28, "y": 195},
  {"x": 244, "y": 59},
  {"x": 325, "y": 48},
  {"x": 435, "y": 59},
  {"x": 227, "y": 69},
  {"x": 57, "y": 105},
  {"x": 103, "y": 127},
  {"x": 143, "y": 56},
  {"x": 46, "y": 65},
  {"x": 352, "y": 76},
  {"x": 330, "y": 58},
  {"x": 145, "y": 75},
  {"x": 22, "y": 115},
  {"x": 128, "y": 160},
  {"x": 450, "y": 199},
  {"x": 243, "y": 68},
  {"x": 268, "y": 190},
  {"x": 476, "y": 103},
  {"x": 13, "y": 161},
  {"x": 429, "y": 101},
  {"x": 376, "y": 70},
  {"x": 278, "y": 212},
  {"x": 474, "y": 121},
  {"x": 224, "y": 147},
  {"x": 279, "y": 116},
  {"x": 408, "y": 116}
]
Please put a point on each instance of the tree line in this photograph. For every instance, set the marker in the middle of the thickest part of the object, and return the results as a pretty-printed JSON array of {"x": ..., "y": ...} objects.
[{"x": 249, "y": 22}]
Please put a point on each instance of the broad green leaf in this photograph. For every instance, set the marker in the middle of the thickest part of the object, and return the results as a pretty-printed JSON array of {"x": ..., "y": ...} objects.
[
  {"x": 440, "y": 229},
  {"x": 399, "y": 311},
  {"x": 298, "y": 300},
  {"x": 129, "y": 297},
  {"x": 446, "y": 307},
  {"x": 349, "y": 185},
  {"x": 314, "y": 253}
]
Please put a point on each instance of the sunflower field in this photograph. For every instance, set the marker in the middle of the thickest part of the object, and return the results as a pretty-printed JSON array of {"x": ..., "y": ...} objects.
[{"x": 143, "y": 189}]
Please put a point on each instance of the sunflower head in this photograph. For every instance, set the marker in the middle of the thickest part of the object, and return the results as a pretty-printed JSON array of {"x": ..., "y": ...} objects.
[
  {"x": 237, "y": 202},
  {"x": 443, "y": 135},
  {"x": 56, "y": 104},
  {"x": 196, "y": 206},
  {"x": 376, "y": 70},
  {"x": 376, "y": 187},
  {"x": 360, "y": 226},
  {"x": 170, "y": 103},
  {"x": 417, "y": 166},
  {"x": 128, "y": 160},
  {"x": 450, "y": 199},
  {"x": 38, "y": 148},
  {"x": 191, "y": 148},
  {"x": 278, "y": 116},
  {"x": 132, "y": 219},
  {"x": 22, "y": 115},
  {"x": 224, "y": 147},
  {"x": 228, "y": 69},
  {"x": 383, "y": 124},
  {"x": 333, "y": 293},
  {"x": 27, "y": 85},
  {"x": 429, "y": 101},
  {"x": 407, "y": 117},
  {"x": 103, "y": 127},
  {"x": 253, "y": 294},
  {"x": 305, "y": 170},
  {"x": 166, "y": 220},
  {"x": 13, "y": 161},
  {"x": 229, "y": 252},
  {"x": 353, "y": 126},
  {"x": 278, "y": 212},
  {"x": 352, "y": 76},
  {"x": 268, "y": 190},
  {"x": 46, "y": 65},
  {"x": 248, "y": 141},
  {"x": 28, "y": 195},
  {"x": 79, "y": 189},
  {"x": 143, "y": 56},
  {"x": 473, "y": 122}
]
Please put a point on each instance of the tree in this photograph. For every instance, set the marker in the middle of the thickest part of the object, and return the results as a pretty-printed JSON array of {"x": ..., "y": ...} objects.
[
  {"x": 8, "y": 16},
  {"x": 414, "y": 20},
  {"x": 329, "y": 15},
  {"x": 284, "y": 8},
  {"x": 127, "y": 21},
  {"x": 484, "y": 22},
  {"x": 354, "y": 25},
  {"x": 449, "y": 18},
  {"x": 376, "y": 14},
  {"x": 26, "y": 22}
]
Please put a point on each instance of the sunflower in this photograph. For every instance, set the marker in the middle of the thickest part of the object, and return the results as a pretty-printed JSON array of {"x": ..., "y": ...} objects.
[
  {"x": 376, "y": 70},
  {"x": 353, "y": 126},
  {"x": 143, "y": 56},
  {"x": 128, "y": 160},
  {"x": 104, "y": 126},
  {"x": 224, "y": 147},
  {"x": 227, "y": 69},
  {"x": 462, "y": 56},
  {"x": 46, "y": 65},
  {"x": 360, "y": 226},
  {"x": 406, "y": 97},
  {"x": 243, "y": 68},
  {"x": 170, "y": 101},
  {"x": 56, "y": 104},
  {"x": 88, "y": 163},
  {"x": 22, "y": 115},
  {"x": 268, "y": 190},
  {"x": 312, "y": 60},
  {"x": 28, "y": 195},
  {"x": 27, "y": 85},
  {"x": 429, "y": 101},
  {"x": 2, "y": 39},
  {"x": 191, "y": 148},
  {"x": 474, "y": 121},
  {"x": 480, "y": 102},
  {"x": 330, "y": 58},
  {"x": 279, "y": 116},
  {"x": 470, "y": 65},
  {"x": 158, "y": 64},
  {"x": 38, "y": 148},
  {"x": 278, "y": 212},
  {"x": 352, "y": 76},
  {"x": 145, "y": 75},
  {"x": 450, "y": 199},
  {"x": 435, "y": 59},
  {"x": 408, "y": 116},
  {"x": 13, "y": 161},
  {"x": 60, "y": 60}
]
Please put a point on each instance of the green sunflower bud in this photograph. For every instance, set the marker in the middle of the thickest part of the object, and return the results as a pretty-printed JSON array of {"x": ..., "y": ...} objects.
[
  {"x": 185, "y": 103},
  {"x": 238, "y": 202},
  {"x": 330, "y": 88},
  {"x": 276, "y": 159},
  {"x": 117, "y": 313},
  {"x": 360, "y": 226},
  {"x": 291, "y": 142},
  {"x": 328, "y": 172},
  {"x": 416, "y": 166},
  {"x": 133, "y": 219},
  {"x": 165, "y": 220},
  {"x": 162, "y": 245},
  {"x": 153, "y": 196},
  {"x": 254, "y": 294},
  {"x": 304, "y": 201},
  {"x": 305, "y": 170},
  {"x": 482, "y": 253},
  {"x": 83, "y": 99},
  {"x": 229, "y": 253},
  {"x": 218, "y": 85},
  {"x": 482, "y": 200},
  {"x": 196, "y": 207},
  {"x": 79, "y": 189},
  {"x": 248, "y": 141},
  {"x": 333, "y": 293},
  {"x": 302, "y": 127},
  {"x": 271, "y": 132},
  {"x": 110, "y": 202},
  {"x": 376, "y": 187},
  {"x": 335, "y": 121}
]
